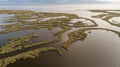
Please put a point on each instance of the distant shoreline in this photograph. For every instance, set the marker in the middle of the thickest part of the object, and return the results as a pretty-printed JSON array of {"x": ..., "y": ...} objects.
[{"x": 64, "y": 6}]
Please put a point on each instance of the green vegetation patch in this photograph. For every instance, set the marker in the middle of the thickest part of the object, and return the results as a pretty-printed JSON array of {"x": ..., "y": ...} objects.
[
  {"x": 15, "y": 44},
  {"x": 106, "y": 16},
  {"x": 25, "y": 55},
  {"x": 81, "y": 35}
]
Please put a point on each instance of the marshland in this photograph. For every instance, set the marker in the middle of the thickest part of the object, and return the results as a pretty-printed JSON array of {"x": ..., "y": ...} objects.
[{"x": 59, "y": 38}]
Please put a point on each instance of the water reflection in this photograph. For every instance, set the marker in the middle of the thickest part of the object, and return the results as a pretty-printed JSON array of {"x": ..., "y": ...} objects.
[
  {"x": 3, "y": 17},
  {"x": 44, "y": 34},
  {"x": 99, "y": 49}
]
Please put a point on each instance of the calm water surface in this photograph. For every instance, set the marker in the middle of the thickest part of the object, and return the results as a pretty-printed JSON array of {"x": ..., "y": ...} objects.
[{"x": 99, "y": 49}]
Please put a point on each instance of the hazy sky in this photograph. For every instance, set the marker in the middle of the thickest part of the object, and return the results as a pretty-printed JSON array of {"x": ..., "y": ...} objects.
[{"x": 46, "y": 2}]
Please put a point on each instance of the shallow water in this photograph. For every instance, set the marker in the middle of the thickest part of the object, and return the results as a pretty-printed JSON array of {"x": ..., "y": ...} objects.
[
  {"x": 86, "y": 22},
  {"x": 115, "y": 20},
  {"x": 44, "y": 34},
  {"x": 2, "y": 28},
  {"x": 48, "y": 18},
  {"x": 114, "y": 11},
  {"x": 3, "y": 17}
]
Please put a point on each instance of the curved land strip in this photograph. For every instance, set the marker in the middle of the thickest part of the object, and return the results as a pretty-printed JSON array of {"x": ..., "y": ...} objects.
[
  {"x": 22, "y": 47},
  {"x": 35, "y": 20},
  {"x": 23, "y": 42},
  {"x": 106, "y": 16},
  {"x": 81, "y": 35},
  {"x": 29, "y": 54},
  {"x": 16, "y": 50},
  {"x": 20, "y": 15}
]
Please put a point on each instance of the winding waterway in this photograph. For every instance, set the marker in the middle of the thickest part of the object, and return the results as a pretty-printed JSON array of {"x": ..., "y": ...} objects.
[{"x": 100, "y": 48}]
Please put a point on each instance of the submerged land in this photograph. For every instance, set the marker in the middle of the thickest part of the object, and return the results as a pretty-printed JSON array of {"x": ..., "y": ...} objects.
[{"x": 25, "y": 46}]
